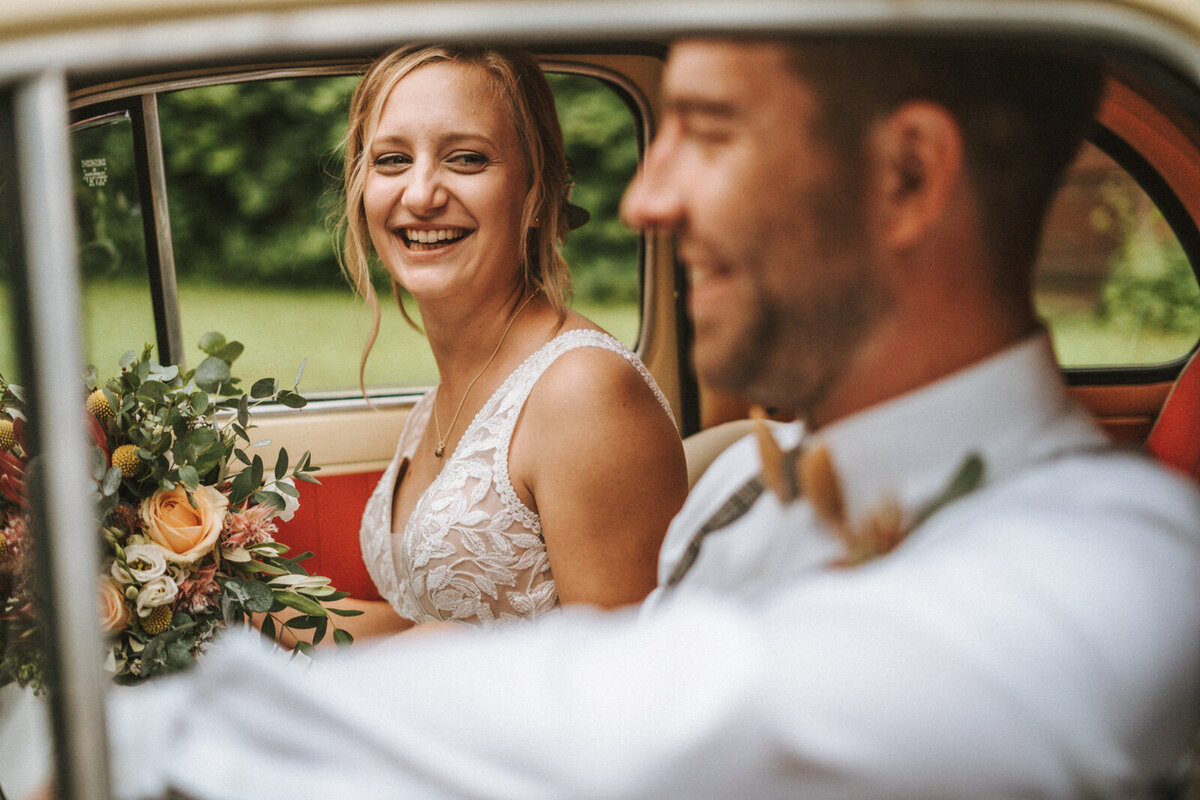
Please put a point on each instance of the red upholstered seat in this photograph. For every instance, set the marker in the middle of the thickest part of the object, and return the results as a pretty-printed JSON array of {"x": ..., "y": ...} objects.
[
  {"x": 327, "y": 525},
  {"x": 1175, "y": 438}
]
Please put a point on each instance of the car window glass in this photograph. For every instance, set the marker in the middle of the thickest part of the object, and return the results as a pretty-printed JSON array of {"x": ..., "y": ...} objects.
[
  {"x": 118, "y": 314},
  {"x": 253, "y": 180},
  {"x": 1113, "y": 283}
]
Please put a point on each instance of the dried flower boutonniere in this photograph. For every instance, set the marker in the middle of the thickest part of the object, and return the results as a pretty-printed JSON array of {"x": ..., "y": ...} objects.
[{"x": 880, "y": 532}]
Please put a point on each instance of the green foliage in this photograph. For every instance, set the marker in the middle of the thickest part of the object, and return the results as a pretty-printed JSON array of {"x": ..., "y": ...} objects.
[
  {"x": 172, "y": 418},
  {"x": 252, "y": 176},
  {"x": 602, "y": 150},
  {"x": 1151, "y": 284}
]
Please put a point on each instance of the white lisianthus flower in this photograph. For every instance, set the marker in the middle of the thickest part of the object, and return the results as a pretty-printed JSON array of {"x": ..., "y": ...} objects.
[
  {"x": 290, "y": 503},
  {"x": 120, "y": 574},
  {"x": 159, "y": 592},
  {"x": 145, "y": 562}
]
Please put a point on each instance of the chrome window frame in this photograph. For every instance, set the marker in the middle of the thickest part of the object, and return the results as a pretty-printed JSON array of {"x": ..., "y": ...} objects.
[{"x": 36, "y": 66}]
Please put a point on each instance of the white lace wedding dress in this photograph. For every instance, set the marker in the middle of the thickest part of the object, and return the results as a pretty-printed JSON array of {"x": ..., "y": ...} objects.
[{"x": 471, "y": 550}]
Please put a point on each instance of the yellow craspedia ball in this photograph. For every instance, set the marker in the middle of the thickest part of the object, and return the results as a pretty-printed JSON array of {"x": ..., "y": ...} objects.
[
  {"x": 8, "y": 437},
  {"x": 97, "y": 405},
  {"x": 158, "y": 620},
  {"x": 126, "y": 458}
]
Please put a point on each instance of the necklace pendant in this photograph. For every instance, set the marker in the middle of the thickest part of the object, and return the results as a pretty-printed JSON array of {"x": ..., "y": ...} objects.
[{"x": 441, "y": 448}]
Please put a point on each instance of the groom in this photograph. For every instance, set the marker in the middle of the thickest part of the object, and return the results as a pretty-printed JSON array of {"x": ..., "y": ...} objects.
[{"x": 943, "y": 584}]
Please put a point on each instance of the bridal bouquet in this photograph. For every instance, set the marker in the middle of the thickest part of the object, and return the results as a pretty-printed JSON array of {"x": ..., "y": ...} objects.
[{"x": 187, "y": 519}]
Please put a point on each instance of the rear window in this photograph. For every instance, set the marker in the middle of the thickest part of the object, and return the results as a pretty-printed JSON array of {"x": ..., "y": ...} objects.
[{"x": 1114, "y": 284}]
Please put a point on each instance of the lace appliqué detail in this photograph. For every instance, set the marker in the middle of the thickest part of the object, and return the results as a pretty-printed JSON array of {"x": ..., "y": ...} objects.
[{"x": 472, "y": 551}]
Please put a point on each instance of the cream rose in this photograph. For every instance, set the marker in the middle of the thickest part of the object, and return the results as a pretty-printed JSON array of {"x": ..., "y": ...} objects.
[
  {"x": 145, "y": 562},
  {"x": 184, "y": 532},
  {"x": 161, "y": 591},
  {"x": 114, "y": 614}
]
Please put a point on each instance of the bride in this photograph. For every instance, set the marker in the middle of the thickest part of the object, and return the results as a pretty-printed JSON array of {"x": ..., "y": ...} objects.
[{"x": 545, "y": 466}]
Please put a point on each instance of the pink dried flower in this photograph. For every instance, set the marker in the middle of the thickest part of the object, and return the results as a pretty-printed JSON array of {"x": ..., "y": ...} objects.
[
  {"x": 199, "y": 591},
  {"x": 16, "y": 541},
  {"x": 249, "y": 526}
]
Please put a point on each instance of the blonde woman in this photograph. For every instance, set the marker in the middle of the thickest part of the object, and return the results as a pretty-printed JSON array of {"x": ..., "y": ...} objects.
[{"x": 545, "y": 466}]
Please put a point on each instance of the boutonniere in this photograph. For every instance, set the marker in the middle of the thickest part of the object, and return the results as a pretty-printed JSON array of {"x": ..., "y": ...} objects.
[{"x": 811, "y": 471}]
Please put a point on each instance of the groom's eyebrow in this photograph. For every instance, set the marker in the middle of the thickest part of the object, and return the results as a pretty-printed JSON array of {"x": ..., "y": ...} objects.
[{"x": 691, "y": 105}]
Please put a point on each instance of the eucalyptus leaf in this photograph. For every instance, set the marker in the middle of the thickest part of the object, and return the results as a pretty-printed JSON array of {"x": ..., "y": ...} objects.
[
  {"x": 342, "y": 638},
  {"x": 273, "y": 499},
  {"x": 211, "y": 374},
  {"x": 242, "y": 487},
  {"x": 111, "y": 482},
  {"x": 264, "y": 387},
  {"x": 256, "y": 471},
  {"x": 303, "y": 604},
  {"x": 230, "y": 352},
  {"x": 211, "y": 342},
  {"x": 291, "y": 399},
  {"x": 189, "y": 476},
  {"x": 259, "y": 597},
  {"x": 281, "y": 464}
]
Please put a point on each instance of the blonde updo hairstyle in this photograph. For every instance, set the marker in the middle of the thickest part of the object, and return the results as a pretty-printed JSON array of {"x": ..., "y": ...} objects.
[{"x": 521, "y": 86}]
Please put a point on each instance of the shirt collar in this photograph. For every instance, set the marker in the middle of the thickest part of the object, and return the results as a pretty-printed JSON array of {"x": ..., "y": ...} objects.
[{"x": 1012, "y": 409}]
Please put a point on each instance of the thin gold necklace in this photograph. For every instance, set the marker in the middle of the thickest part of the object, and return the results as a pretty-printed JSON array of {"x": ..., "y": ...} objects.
[{"x": 441, "y": 448}]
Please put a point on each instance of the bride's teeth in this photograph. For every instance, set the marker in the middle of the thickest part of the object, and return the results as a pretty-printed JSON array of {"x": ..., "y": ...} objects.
[{"x": 432, "y": 237}]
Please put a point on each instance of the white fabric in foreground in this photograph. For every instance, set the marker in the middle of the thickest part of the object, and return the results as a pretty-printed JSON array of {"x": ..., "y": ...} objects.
[{"x": 1039, "y": 638}]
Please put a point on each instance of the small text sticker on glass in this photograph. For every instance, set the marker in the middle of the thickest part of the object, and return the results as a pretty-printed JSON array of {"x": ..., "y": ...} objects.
[{"x": 95, "y": 172}]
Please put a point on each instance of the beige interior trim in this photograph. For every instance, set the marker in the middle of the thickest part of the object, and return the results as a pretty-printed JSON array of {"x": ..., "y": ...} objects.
[{"x": 341, "y": 442}]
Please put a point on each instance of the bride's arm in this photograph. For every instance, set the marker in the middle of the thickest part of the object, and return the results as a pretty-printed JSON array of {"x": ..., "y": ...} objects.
[
  {"x": 378, "y": 618},
  {"x": 603, "y": 466}
]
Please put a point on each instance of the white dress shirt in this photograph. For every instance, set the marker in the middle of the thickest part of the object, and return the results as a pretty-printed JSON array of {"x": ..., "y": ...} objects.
[{"x": 1039, "y": 637}]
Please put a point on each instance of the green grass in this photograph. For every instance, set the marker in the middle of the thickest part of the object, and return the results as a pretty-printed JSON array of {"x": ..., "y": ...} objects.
[
  {"x": 1082, "y": 339},
  {"x": 325, "y": 328}
]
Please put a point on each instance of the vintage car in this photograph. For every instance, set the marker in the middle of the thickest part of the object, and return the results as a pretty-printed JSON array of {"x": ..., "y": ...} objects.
[{"x": 130, "y": 216}]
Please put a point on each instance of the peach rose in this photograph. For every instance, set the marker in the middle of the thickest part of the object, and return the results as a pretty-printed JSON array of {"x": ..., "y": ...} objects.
[
  {"x": 114, "y": 614},
  {"x": 184, "y": 532}
]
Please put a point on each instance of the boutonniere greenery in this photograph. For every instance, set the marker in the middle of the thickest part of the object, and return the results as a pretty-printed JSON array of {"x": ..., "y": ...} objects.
[{"x": 809, "y": 471}]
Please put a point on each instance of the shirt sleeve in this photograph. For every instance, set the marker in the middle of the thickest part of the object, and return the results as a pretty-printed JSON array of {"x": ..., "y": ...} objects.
[{"x": 955, "y": 674}]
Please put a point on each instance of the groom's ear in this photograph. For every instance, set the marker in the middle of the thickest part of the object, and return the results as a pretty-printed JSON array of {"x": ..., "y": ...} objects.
[{"x": 917, "y": 154}]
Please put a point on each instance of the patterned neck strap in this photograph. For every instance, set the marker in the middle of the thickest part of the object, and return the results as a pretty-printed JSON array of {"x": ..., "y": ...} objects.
[{"x": 878, "y": 536}]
